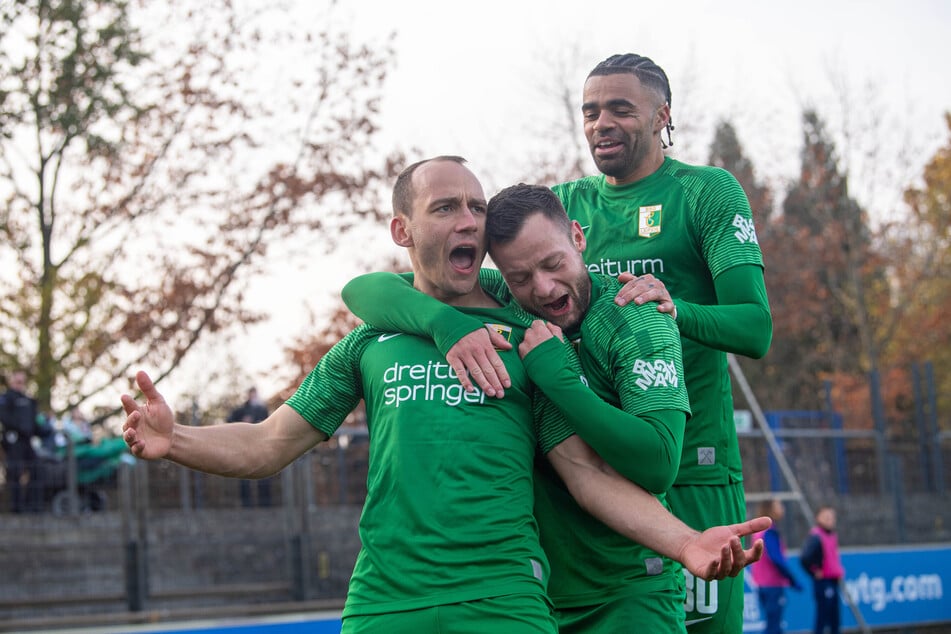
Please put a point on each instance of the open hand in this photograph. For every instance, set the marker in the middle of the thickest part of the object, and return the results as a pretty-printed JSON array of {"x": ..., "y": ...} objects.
[
  {"x": 717, "y": 552},
  {"x": 148, "y": 428}
]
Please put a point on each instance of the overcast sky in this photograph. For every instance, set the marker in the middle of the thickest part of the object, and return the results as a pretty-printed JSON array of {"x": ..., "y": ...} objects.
[
  {"x": 467, "y": 73},
  {"x": 468, "y": 80}
]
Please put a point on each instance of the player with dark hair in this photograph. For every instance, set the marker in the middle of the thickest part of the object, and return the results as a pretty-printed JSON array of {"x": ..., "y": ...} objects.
[
  {"x": 648, "y": 73},
  {"x": 686, "y": 234}
]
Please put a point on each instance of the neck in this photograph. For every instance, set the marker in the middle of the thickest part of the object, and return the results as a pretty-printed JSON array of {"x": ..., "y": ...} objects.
[{"x": 477, "y": 298}]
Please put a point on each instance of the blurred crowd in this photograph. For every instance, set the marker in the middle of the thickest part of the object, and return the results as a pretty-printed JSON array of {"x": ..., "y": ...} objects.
[{"x": 36, "y": 446}]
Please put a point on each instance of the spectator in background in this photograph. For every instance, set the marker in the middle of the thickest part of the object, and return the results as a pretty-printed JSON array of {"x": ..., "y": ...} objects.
[
  {"x": 820, "y": 558},
  {"x": 19, "y": 418},
  {"x": 76, "y": 426},
  {"x": 772, "y": 573},
  {"x": 253, "y": 410}
]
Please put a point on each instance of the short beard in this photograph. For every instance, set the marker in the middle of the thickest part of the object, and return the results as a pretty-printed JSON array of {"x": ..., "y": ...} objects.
[{"x": 613, "y": 168}]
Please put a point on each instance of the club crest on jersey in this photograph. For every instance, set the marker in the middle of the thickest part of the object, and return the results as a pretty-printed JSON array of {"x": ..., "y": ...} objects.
[
  {"x": 502, "y": 329},
  {"x": 648, "y": 221}
]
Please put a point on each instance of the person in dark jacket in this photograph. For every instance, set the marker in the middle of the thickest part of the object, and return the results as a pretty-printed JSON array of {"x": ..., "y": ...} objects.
[
  {"x": 820, "y": 558},
  {"x": 18, "y": 417}
]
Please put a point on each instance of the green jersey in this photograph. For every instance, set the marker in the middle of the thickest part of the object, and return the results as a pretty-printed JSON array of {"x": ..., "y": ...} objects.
[
  {"x": 631, "y": 409},
  {"x": 686, "y": 225},
  {"x": 631, "y": 359},
  {"x": 448, "y": 516}
]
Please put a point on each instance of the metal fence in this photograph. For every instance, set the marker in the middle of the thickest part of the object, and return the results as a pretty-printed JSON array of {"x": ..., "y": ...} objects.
[
  {"x": 165, "y": 540},
  {"x": 171, "y": 540}
]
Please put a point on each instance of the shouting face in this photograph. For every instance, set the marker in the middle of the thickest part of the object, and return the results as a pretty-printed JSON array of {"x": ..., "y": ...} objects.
[
  {"x": 545, "y": 271},
  {"x": 445, "y": 232}
]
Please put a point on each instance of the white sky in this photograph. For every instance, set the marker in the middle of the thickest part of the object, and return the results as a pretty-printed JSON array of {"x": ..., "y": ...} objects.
[
  {"x": 467, "y": 80},
  {"x": 467, "y": 73}
]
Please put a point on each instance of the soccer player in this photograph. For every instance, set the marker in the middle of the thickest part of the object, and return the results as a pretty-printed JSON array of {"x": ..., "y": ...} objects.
[
  {"x": 689, "y": 229},
  {"x": 631, "y": 358},
  {"x": 449, "y": 541}
]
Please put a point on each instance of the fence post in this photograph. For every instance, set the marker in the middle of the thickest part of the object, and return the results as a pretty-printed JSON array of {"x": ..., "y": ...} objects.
[
  {"x": 343, "y": 487},
  {"x": 72, "y": 477},
  {"x": 878, "y": 416},
  {"x": 305, "y": 491},
  {"x": 895, "y": 474},
  {"x": 296, "y": 559},
  {"x": 924, "y": 462},
  {"x": 136, "y": 574},
  {"x": 937, "y": 461}
]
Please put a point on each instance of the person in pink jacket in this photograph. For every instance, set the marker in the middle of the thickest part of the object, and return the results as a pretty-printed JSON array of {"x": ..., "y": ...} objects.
[
  {"x": 771, "y": 573},
  {"x": 820, "y": 558}
]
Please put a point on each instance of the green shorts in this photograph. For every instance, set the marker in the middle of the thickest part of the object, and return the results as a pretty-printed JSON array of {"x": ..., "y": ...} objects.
[
  {"x": 512, "y": 614},
  {"x": 714, "y": 606},
  {"x": 659, "y": 611}
]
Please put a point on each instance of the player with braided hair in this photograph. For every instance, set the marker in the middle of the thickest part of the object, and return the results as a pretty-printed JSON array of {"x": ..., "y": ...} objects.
[
  {"x": 648, "y": 73},
  {"x": 686, "y": 234}
]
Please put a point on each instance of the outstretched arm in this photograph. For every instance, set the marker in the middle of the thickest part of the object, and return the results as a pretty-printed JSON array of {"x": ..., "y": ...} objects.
[
  {"x": 241, "y": 450},
  {"x": 716, "y": 553}
]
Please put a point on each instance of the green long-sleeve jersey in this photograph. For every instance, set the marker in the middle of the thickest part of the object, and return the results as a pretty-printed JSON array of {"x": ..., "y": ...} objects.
[
  {"x": 449, "y": 510},
  {"x": 633, "y": 416},
  {"x": 690, "y": 226}
]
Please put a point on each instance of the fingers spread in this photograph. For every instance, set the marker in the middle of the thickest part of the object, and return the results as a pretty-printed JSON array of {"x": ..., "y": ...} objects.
[
  {"x": 739, "y": 556},
  {"x": 755, "y": 525},
  {"x": 148, "y": 388},
  {"x": 128, "y": 404}
]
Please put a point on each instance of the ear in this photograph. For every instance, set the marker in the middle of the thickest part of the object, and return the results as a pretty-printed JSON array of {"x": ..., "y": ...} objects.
[
  {"x": 662, "y": 118},
  {"x": 577, "y": 236},
  {"x": 399, "y": 231}
]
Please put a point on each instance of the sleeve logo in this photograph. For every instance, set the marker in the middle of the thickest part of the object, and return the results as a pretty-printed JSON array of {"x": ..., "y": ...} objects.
[
  {"x": 648, "y": 221},
  {"x": 657, "y": 373},
  {"x": 746, "y": 232}
]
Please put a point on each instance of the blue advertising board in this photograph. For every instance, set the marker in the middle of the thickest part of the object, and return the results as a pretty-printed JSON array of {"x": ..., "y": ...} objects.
[{"x": 890, "y": 587}]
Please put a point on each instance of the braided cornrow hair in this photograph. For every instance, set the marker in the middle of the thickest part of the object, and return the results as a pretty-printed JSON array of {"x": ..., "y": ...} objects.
[{"x": 649, "y": 74}]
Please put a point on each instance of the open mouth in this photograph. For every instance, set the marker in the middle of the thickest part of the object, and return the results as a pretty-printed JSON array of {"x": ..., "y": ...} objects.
[
  {"x": 607, "y": 146},
  {"x": 463, "y": 258},
  {"x": 559, "y": 305}
]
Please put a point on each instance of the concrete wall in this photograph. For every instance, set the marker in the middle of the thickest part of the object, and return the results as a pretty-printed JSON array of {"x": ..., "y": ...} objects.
[
  {"x": 75, "y": 570},
  {"x": 67, "y": 570}
]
